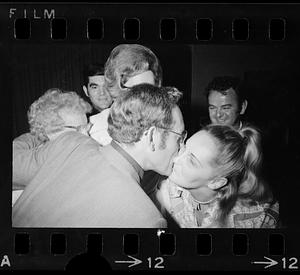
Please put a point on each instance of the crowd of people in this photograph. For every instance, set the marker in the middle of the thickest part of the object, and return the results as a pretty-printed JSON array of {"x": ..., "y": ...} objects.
[{"x": 122, "y": 159}]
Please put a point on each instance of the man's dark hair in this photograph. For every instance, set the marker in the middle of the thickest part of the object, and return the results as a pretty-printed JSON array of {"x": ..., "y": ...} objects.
[
  {"x": 223, "y": 83},
  {"x": 92, "y": 70}
]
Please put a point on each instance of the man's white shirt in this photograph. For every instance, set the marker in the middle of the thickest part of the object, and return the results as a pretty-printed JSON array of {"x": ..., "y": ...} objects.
[{"x": 99, "y": 128}]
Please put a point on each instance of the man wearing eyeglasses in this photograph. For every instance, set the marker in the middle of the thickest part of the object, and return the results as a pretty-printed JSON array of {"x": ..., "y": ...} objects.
[{"x": 100, "y": 186}]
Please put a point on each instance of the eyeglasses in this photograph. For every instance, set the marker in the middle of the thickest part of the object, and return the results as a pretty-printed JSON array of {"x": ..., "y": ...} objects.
[{"x": 183, "y": 135}]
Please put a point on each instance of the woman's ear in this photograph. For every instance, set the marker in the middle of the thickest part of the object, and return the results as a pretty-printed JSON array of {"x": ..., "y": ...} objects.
[{"x": 217, "y": 183}]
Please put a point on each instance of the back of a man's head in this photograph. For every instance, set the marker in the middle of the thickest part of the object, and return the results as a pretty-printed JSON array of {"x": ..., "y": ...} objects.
[
  {"x": 127, "y": 61},
  {"x": 138, "y": 109}
]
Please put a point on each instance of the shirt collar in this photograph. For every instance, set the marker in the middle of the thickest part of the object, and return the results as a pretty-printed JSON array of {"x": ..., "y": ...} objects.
[
  {"x": 241, "y": 125},
  {"x": 129, "y": 158},
  {"x": 179, "y": 192}
]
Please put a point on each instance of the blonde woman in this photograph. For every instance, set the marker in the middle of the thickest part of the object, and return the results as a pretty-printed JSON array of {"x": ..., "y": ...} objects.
[{"x": 215, "y": 182}]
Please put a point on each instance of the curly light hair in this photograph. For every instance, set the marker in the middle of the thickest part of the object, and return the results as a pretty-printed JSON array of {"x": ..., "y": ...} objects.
[
  {"x": 43, "y": 114},
  {"x": 126, "y": 61},
  {"x": 143, "y": 106}
]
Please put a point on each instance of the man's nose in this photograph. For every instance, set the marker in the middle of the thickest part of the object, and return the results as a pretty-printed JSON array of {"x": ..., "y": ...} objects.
[
  {"x": 101, "y": 91},
  {"x": 220, "y": 113}
]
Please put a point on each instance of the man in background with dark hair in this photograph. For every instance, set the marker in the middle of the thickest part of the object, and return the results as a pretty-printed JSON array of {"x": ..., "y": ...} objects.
[
  {"x": 126, "y": 66},
  {"x": 226, "y": 102},
  {"x": 94, "y": 88}
]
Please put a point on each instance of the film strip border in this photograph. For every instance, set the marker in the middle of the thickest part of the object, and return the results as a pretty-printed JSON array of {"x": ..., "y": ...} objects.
[
  {"x": 166, "y": 243},
  {"x": 154, "y": 23},
  {"x": 195, "y": 24},
  {"x": 131, "y": 29},
  {"x": 151, "y": 249}
]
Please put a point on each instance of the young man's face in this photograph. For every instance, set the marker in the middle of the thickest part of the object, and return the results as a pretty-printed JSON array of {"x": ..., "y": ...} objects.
[
  {"x": 100, "y": 98},
  {"x": 224, "y": 108}
]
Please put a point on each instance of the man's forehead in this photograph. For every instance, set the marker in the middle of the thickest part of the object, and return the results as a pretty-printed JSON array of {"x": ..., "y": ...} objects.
[
  {"x": 228, "y": 96},
  {"x": 96, "y": 79},
  {"x": 202, "y": 145},
  {"x": 178, "y": 121}
]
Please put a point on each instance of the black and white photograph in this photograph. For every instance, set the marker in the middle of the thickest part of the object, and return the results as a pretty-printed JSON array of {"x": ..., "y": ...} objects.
[
  {"x": 172, "y": 136},
  {"x": 165, "y": 151}
]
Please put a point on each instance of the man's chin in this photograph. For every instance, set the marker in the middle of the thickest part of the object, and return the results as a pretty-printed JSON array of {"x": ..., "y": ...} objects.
[
  {"x": 222, "y": 122},
  {"x": 165, "y": 173}
]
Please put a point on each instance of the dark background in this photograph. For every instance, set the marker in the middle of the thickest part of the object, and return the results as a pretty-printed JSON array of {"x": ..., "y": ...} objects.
[
  {"x": 271, "y": 78},
  {"x": 36, "y": 68},
  {"x": 270, "y": 74}
]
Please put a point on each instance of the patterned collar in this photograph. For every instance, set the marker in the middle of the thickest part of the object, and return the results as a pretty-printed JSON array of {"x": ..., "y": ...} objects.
[
  {"x": 241, "y": 125},
  {"x": 179, "y": 192}
]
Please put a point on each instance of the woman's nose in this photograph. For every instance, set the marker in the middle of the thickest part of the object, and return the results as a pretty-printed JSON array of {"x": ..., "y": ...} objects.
[{"x": 180, "y": 154}]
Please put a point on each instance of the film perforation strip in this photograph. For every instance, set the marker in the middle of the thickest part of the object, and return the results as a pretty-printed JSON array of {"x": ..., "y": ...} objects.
[
  {"x": 58, "y": 244},
  {"x": 240, "y": 244},
  {"x": 204, "y": 29},
  {"x": 94, "y": 243},
  {"x": 131, "y": 244},
  {"x": 204, "y": 244},
  {"x": 168, "y": 29},
  {"x": 241, "y": 29},
  {"x": 95, "y": 28},
  {"x": 167, "y": 244},
  {"x": 59, "y": 29},
  {"x": 131, "y": 29},
  {"x": 276, "y": 244}
]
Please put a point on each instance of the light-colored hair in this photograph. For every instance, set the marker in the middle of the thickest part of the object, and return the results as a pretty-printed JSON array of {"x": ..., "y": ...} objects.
[
  {"x": 43, "y": 114},
  {"x": 239, "y": 160},
  {"x": 126, "y": 61},
  {"x": 143, "y": 106}
]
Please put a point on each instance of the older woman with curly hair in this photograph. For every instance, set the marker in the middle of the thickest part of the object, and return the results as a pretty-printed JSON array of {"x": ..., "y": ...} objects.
[
  {"x": 51, "y": 115},
  {"x": 55, "y": 112}
]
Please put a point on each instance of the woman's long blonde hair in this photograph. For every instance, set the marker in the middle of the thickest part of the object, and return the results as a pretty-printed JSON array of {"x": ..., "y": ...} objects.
[{"x": 239, "y": 160}]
